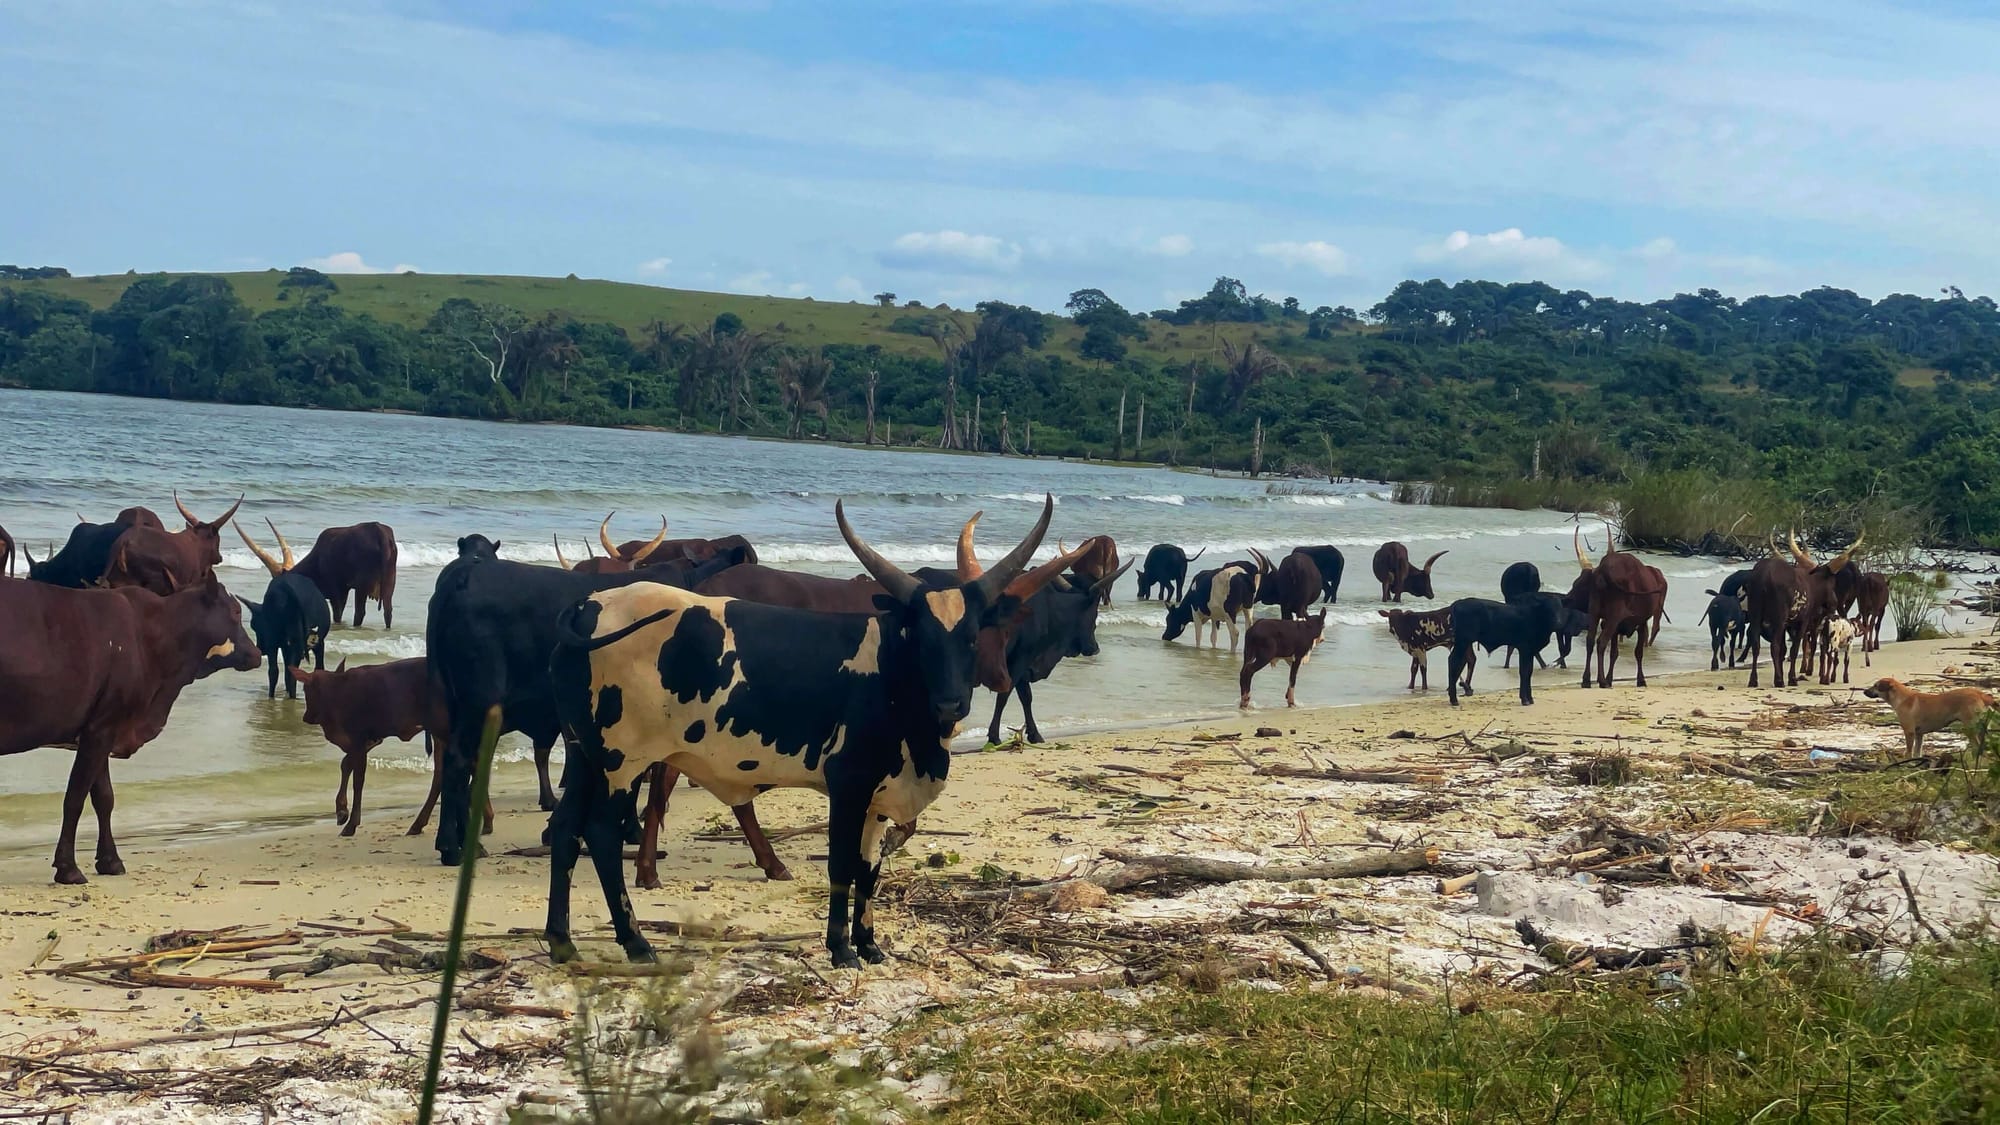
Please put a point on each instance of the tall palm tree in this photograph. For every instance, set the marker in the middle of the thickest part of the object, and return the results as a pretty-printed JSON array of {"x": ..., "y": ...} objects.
[
  {"x": 802, "y": 379},
  {"x": 1247, "y": 367}
]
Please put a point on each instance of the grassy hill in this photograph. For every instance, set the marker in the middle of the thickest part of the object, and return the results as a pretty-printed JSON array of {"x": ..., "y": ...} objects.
[{"x": 410, "y": 299}]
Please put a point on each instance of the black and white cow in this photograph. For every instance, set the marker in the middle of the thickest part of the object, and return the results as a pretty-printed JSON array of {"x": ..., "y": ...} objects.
[
  {"x": 1213, "y": 598},
  {"x": 746, "y": 697}
]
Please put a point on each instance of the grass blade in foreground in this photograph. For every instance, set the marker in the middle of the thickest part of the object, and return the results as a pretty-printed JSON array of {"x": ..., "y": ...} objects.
[{"x": 481, "y": 776}]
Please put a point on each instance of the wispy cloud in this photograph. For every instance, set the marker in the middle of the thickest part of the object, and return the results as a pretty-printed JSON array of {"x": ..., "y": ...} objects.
[
  {"x": 654, "y": 267},
  {"x": 952, "y": 249},
  {"x": 348, "y": 261},
  {"x": 1508, "y": 254},
  {"x": 1317, "y": 255},
  {"x": 1173, "y": 246}
]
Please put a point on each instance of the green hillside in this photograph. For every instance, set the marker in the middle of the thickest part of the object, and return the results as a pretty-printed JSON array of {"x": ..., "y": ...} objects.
[
  {"x": 1710, "y": 419},
  {"x": 409, "y": 300}
]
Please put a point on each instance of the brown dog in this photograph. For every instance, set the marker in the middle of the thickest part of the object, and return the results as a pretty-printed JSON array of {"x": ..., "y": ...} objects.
[{"x": 1923, "y": 712}]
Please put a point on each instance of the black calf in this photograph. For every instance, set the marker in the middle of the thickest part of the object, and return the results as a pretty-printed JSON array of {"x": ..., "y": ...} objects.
[{"x": 1526, "y": 625}]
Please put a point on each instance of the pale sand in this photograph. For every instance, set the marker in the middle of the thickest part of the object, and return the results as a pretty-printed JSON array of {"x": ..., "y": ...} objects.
[{"x": 1223, "y": 811}]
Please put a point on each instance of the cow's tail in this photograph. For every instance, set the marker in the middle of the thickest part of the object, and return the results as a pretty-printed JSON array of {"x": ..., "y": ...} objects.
[
  {"x": 1197, "y": 554},
  {"x": 569, "y": 636},
  {"x": 385, "y": 582}
]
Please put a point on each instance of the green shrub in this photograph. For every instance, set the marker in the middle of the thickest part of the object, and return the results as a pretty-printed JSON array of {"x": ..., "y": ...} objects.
[{"x": 1913, "y": 600}]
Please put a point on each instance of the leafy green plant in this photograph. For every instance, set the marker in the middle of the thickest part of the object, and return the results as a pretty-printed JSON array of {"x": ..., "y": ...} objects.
[{"x": 1913, "y": 599}]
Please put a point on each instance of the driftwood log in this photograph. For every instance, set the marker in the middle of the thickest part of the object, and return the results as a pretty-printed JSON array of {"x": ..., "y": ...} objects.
[
  {"x": 1369, "y": 777},
  {"x": 1139, "y": 869}
]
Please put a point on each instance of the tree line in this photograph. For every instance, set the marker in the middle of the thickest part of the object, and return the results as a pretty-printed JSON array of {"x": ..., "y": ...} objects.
[{"x": 1823, "y": 392}]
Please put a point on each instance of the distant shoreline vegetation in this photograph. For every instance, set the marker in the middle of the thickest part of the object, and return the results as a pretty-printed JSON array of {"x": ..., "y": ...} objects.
[{"x": 1705, "y": 419}]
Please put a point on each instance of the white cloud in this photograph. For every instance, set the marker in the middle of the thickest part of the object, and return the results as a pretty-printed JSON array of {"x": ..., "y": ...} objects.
[
  {"x": 1317, "y": 255},
  {"x": 1173, "y": 246},
  {"x": 348, "y": 261},
  {"x": 655, "y": 267},
  {"x": 1658, "y": 248},
  {"x": 1509, "y": 252},
  {"x": 952, "y": 249},
  {"x": 756, "y": 283}
]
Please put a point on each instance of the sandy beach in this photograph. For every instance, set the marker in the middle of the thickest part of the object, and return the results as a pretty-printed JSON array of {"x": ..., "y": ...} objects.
[{"x": 1039, "y": 813}]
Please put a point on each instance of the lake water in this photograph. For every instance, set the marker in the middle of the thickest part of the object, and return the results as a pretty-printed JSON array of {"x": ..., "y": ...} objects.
[{"x": 231, "y": 758}]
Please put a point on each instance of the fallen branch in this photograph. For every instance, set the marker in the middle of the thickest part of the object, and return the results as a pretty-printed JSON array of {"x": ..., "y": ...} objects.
[
  {"x": 1910, "y": 896},
  {"x": 1313, "y": 955},
  {"x": 1156, "y": 775},
  {"x": 259, "y": 1031},
  {"x": 1726, "y": 769},
  {"x": 1140, "y": 869},
  {"x": 1368, "y": 777}
]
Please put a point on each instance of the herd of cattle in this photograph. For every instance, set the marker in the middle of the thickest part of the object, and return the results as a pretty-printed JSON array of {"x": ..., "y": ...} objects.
[{"x": 668, "y": 656}]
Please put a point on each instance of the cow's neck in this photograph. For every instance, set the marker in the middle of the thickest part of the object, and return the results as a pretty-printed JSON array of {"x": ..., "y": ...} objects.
[
  {"x": 175, "y": 643},
  {"x": 909, "y": 701}
]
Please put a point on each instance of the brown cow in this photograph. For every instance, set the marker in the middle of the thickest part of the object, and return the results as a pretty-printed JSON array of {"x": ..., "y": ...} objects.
[
  {"x": 1872, "y": 601},
  {"x": 1268, "y": 641},
  {"x": 618, "y": 559},
  {"x": 1821, "y": 588},
  {"x": 1098, "y": 557},
  {"x": 1623, "y": 596},
  {"x": 163, "y": 561},
  {"x": 1398, "y": 577},
  {"x": 1292, "y": 585},
  {"x": 755, "y": 582},
  {"x": 359, "y": 560},
  {"x": 358, "y": 709},
  {"x": 98, "y": 671},
  {"x": 694, "y": 550}
]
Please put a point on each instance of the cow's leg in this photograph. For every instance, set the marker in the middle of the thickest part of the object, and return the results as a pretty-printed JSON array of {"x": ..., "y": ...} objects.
[
  {"x": 458, "y": 759},
  {"x": 1027, "y": 695},
  {"x": 82, "y": 778},
  {"x": 1527, "y": 683},
  {"x": 660, "y": 781},
  {"x": 1471, "y": 662},
  {"x": 1251, "y": 667},
  {"x": 865, "y": 877},
  {"x": 1000, "y": 705},
  {"x": 291, "y": 685},
  {"x": 1507, "y": 661},
  {"x": 102, "y": 799},
  {"x": 760, "y": 847},
  {"x": 1414, "y": 665},
  {"x": 271, "y": 666},
  {"x": 603, "y": 831},
  {"x": 845, "y": 817},
  {"x": 1454, "y": 667},
  {"x": 1563, "y": 641},
  {"x": 360, "y": 779},
  {"x": 1589, "y": 649},
  {"x": 340, "y": 795},
  {"x": 339, "y": 600},
  {"x": 360, "y": 607},
  {"x": 565, "y": 843},
  {"x": 1292, "y": 684},
  {"x": 545, "y": 794},
  {"x": 437, "y": 781},
  {"x": 1639, "y": 658},
  {"x": 1232, "y": 633}
]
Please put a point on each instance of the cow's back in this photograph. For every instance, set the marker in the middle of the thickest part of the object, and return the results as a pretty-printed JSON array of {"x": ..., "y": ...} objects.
[{"x": 69, "y": 656}]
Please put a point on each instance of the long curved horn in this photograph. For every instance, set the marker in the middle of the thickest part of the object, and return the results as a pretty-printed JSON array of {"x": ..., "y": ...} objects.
[
  {"x": 273, "y": 565},
  {"x": 1610, "y": 540},
  {"x": 290, "y": 562},
  {"x": 901, "y": 586},
  {"x": 604, "y": 538},
  {"x": 968, "y": 563},
  {"x": 1264, "y": 567},
  {"x": 1026, "y": 585},
  {"x": 185, "y": 514},
  {"x": 1847, "y": 556},
  {"x": 996, "y": 579},
  {"x": 1576, "y": 541},
  {"x": 560, "y": 561},
  {"x": 1108, "y": 580},
  {"x": 1798, "y": 555},
  {"x": 228, "y": 515},
  {"x": 80, "y": 519},
  {"x": 1434, "y": 558},
  {"x": 652, "y": 544}
]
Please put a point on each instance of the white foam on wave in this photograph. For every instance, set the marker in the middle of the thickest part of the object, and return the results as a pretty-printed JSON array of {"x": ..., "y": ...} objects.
[
  {"x": 1314, "y": 501},
  {"x": 365, "y": 642}
]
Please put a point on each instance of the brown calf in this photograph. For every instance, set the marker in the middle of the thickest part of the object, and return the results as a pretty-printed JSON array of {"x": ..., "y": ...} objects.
[
  {"x": 1097, "y": 557},
  {"x": 1872, "y": 603},
  {"x": 1268, "y": 641}
]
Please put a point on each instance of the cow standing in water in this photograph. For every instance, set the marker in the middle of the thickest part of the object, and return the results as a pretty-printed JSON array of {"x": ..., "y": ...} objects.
[
  {"x": 98, "y": 671},
  {"x": 1398, "y": 577},
  {"x": 358, "y": 560},
  {"x": 292, "y": 621}
]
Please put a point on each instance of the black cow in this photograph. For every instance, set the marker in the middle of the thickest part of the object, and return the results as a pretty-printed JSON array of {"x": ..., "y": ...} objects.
[
  {"x": 476, "y": 546},
  {"x": 1527, "y": 625},
  {"x": 1057, "y": 622},
  {"x": 746, "y": 697},
  {"x": 1519, "y": 580},
  {"x": 1570, "y": 624},
  {"x": 1331, "y": 563},
  {"x": 1728, "y": 627},
  {"x": 292, "y": 621},
  {"x": 83, "y": 559},
  {"x": 1166, "y": 567}
]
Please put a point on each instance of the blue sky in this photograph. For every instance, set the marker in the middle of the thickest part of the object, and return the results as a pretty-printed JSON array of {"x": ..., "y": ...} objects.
[{"x": 955, "y": 151}]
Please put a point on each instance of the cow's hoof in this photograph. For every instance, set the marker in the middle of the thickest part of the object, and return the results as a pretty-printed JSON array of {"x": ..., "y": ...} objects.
[
  {"x": 562, "y": 950},
  {"x": 647, "y": 882},
  {"x": 1640, "y": 682},
  {"x": 546, "y": 802},
  {"x": 416, "y": 829},
  {"x": 779, "y": 874},
  {"x": 448, "y": 857},
  {"x": 871, "y": 953},
  {"x": 70, "y": 876},
  {"x": 845, "y": 959},
  {"x": 547, "y": 839},
  {"x": 640, "y": 952},
  {"x": 112, "y": 866},
  {"x": 349, "y": 830}
]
